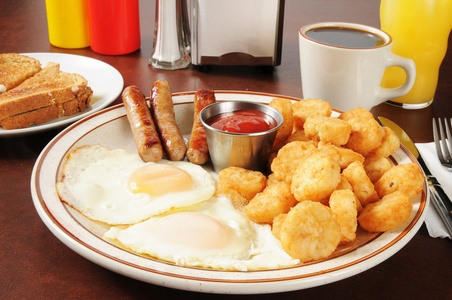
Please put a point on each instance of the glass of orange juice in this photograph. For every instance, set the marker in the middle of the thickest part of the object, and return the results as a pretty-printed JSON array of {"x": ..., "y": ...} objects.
[{"x": 420, "y": 30}]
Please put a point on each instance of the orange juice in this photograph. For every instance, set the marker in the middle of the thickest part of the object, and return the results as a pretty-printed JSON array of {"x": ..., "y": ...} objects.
[
  {"x": 420, "y": 30},
  {"x": 68, "y": 23}
]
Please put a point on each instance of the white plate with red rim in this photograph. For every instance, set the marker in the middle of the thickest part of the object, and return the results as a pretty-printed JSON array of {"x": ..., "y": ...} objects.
[
  {"x": 105, "y": 81},
  {"x": 110, "y": 128}
]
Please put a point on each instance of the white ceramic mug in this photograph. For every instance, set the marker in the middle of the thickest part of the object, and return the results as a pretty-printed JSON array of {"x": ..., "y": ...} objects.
[{"x": 348, "y": 76}]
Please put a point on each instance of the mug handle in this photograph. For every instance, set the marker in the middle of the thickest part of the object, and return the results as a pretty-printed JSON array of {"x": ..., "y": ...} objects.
[{"x": 410, "y": 69}]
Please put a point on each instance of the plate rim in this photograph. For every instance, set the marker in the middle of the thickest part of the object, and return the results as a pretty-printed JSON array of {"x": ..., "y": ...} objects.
[
  {"x": 202, "y": 284},
  {"x": 55, "y": 123}
]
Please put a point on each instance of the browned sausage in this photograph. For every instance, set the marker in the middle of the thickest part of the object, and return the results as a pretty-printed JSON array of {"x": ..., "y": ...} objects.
[
  {"x": 144, "y": 132},
  {"x": 198, "y": 152},
  {"x": 163, "y": 110}
]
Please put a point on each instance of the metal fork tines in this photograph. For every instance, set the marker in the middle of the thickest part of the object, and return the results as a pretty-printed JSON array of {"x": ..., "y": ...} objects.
[{"x": 443, "y": 142}]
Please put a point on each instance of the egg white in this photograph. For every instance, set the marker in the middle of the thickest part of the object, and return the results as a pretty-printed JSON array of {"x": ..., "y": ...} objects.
[
  {"x": 249, "y": 247},
  {"x": 94, "y": 182}
]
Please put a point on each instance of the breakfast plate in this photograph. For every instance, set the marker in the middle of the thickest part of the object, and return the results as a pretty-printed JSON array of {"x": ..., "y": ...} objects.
[
  {"x": 105, "y": 81},
  {"x": 110, "y": 128}
]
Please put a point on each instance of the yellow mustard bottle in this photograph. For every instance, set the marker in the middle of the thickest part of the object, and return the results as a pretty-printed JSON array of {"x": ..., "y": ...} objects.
[{"x": 68, "y": 23}]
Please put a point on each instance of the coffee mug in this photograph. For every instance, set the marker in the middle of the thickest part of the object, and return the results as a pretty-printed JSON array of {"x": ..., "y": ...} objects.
[{"x": 343, "y": 63}]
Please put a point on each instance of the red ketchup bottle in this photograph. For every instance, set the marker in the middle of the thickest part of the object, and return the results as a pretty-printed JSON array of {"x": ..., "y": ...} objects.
[{"x": 114, "y": 26}]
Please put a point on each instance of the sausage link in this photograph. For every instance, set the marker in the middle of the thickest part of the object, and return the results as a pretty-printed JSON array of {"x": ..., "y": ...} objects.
[
  {"x": 143, "y": 129},
  {"x": 198, "y": 152},
  {"x": 163, "y": 110}
]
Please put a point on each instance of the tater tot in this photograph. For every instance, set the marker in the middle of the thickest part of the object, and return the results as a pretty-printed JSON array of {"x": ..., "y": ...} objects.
[
  {"x": 327, "y": 129},
  {"x": 389, "y": 212},
  {"x": 277, "y": 144},
  {"x": 407, "y": 178},
  {"x": 289, "y": 157},
  {"x": 389, "y": 144},
  {"x": 366, "y": 134},
  {"x": 284, "y": 106},
  {"x": 376, "y": 166},
  {"x": 343, "y": 156},
  {"x": 344, "y": 184},
  {"x": 343, "y": 203},
  {"x": 316, "y": 178},
  {"x": 277, "y": 225},
  {"x": 298, "y": 135},
  {"x": 309, "y": 231},
  {"x": 271, "y": 158},
  {"x": 271, "y": 179},
  {"x": 238, "y": 201},
  {"x": 274, "y": 200},
  {"x": 246, "y": 182},
  {"x": 362, "y": 186},
  {"x": 307, "y": 108}
]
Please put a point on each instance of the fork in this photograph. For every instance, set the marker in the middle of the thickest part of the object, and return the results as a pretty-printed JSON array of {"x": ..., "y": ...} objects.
[{"x": 443, "y": 144}]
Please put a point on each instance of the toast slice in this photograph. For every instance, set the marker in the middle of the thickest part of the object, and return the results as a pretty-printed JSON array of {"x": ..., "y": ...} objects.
[
  {"x": 48, "y": 87},
  {"x": 47, "y": 113},
  {"x": 16, "y": 68}
]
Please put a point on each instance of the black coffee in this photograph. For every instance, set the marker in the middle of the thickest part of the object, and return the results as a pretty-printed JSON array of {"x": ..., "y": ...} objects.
[{"x": 345, "y": 37}]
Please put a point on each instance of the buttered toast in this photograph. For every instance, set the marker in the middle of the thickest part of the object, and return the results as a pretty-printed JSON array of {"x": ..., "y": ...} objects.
[
  {"x": 48, "y": 94},
  {"x": 15, "y": 68}
]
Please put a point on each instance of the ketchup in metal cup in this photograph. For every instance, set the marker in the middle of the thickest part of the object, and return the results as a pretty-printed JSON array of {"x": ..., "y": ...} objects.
[{"x": 243, "y": 121}]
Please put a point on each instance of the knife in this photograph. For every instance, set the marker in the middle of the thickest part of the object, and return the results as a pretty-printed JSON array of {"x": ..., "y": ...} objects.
[{"x": 439, "y": 198}]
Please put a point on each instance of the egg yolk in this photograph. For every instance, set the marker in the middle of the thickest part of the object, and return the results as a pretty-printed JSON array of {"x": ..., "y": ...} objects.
[
  {"x": 194, "y": 230},
  {"x": 159, "y": 179}
]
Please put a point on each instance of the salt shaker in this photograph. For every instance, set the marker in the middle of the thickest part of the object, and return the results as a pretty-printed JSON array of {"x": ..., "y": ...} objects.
[{"x": 171, "y": 49}]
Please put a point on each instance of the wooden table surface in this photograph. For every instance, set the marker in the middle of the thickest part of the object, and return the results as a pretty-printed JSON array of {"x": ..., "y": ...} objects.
[{"x": 34, "y": 264}]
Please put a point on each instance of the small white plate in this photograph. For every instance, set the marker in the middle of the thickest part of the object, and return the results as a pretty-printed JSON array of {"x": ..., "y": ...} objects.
[
  {"x": 111, "y": 129},
  {"x": 105, "y": 81}
]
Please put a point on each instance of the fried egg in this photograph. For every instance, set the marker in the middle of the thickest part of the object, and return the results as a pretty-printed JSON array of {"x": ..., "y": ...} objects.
[
  {"x": 211, "y": 234},
  {"x": 117, "y": 188}
]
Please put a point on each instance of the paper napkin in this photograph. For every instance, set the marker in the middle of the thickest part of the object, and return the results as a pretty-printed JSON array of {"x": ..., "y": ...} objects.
[{"x": 434, "y": 224}]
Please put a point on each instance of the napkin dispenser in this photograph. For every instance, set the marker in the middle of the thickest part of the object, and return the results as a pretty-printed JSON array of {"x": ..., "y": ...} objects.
[{"x": 236, "y": 32}]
